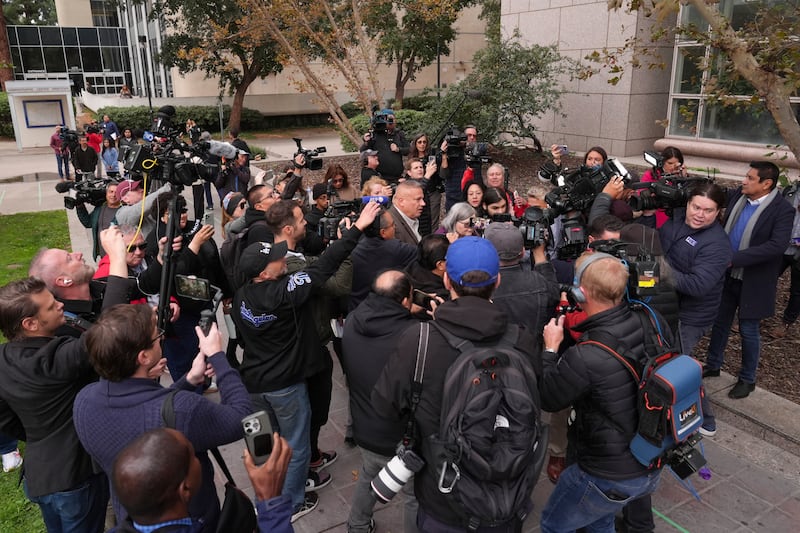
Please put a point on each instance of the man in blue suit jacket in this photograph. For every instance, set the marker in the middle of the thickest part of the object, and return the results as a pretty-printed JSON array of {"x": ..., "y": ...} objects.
[{"x": 759, "y": 224}]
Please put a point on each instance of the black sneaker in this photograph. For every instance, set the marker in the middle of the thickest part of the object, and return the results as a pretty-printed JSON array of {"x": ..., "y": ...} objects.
[
  {"x": 742, "y": 389},
  {"x": 325, "y": 460},
  {"x": 307, "y": 506},
  {"x": 317, "y": 480}
]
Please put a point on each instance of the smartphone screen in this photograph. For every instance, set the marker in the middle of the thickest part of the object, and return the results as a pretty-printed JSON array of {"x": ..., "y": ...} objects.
[
  {"x": 190, "y": 287},
  {"x": 422, "y": 299}
]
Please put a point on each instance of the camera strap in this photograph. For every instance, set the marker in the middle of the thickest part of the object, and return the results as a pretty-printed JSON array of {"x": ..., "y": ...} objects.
[{"x": 419, "y": 373}]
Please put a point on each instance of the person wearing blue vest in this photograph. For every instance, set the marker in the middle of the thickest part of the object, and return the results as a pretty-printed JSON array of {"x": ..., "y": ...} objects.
[{"x": 759, "y": 224}]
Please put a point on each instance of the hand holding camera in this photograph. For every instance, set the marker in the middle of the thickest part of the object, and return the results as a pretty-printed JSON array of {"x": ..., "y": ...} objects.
[
  {"x": 211, "y": 343},
  {"x": 267, "y": 479}
]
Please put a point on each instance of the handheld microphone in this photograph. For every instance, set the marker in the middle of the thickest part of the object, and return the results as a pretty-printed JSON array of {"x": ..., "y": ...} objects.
[
  {"x": 383, "y": 200},
  {"x": 222, "y": 149}
]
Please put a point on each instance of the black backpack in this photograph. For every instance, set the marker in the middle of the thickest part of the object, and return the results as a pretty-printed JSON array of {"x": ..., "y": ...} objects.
[
  {"x": 230, "y": 252},
  {"x": 491, "y": 444}
]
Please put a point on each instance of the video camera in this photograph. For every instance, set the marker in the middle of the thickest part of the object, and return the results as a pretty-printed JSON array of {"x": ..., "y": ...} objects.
[
  {"x": 457, "y": 146},
  {"x": 335, "y": 214},
  {"x": 669, "y": 192},
  {"x": 576, "y": 190},
  {"x": 86, "y": 191},
  {"x": 311, "y": 163},
  {"x": 168, "y": 158},
  {"x": 644, "y": 272},
  {"x": 69, "y": 138},
  {"x": 379, "y": 121}
]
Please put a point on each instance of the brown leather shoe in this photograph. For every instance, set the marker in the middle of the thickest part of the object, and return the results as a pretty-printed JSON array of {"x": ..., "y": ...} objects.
[{"x": 555, "y": 466}]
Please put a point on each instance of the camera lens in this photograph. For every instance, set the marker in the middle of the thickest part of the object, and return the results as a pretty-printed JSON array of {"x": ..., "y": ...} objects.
[{"x": 395, "y": 474}]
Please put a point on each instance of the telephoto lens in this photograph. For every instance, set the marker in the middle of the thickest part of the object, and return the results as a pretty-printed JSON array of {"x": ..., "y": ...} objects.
[{"x": 396, "y": 473}]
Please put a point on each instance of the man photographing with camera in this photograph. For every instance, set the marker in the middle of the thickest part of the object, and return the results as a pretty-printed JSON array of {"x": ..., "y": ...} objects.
[{"x": 389, "y": 142}]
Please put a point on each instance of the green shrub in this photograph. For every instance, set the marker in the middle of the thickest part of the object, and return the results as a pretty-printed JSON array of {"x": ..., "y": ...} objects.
[
  {"x": 6, "y": 126},
  {"x": 418, "y": 102},
  {"x": 206, "y": 117},
  {"x": 352, "y": 109}
]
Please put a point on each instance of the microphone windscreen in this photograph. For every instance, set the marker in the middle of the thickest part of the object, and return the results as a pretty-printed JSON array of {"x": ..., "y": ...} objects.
[
  {"x": 221, "y": 149},
  {"x": 64, "y": 186}
]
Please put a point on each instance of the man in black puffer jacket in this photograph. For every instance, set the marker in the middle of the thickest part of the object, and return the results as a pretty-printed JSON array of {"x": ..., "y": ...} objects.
[{"x": 603, "y": 475}]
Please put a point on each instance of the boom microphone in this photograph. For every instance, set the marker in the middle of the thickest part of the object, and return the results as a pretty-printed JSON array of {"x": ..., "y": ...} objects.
[
  {"x": 222, "y": 149},
  {"x": 64, "y": 186}
]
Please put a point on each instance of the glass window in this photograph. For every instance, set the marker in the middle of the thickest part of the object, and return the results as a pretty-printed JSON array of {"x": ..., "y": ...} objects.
[
  {"x": 32, "y": 59},
  {"x": 28, "y": 35},
  {"x": 111, "y": 59},
  {"x": 88, "y": 36},
  {"x": 108, "y": 37},
  {"x": 50, "y": 35},
  {"x": 54, "y": 59},
  {"x": 70, "y": 35},
  {"x": 688, "y": 77},
  {"x": 690, "y": 17},
  {"x": 91, "y": 59},
  {"x": 12, "y": 35},
  {"x": 16, "y": 58},
  {"x": 752, "y": 124},
  {"x": 73, "y": 58},
  {"x": 683, "y": 117}
]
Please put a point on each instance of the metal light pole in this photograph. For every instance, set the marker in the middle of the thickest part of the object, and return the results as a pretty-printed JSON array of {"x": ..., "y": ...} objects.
[{"x": 143, "y": 47}]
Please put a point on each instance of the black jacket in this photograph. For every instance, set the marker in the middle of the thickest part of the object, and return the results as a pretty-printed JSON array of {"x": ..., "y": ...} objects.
[
  {"x": 39, "y": 379},
  {"x": 373, "y": 255},
  {"x": 602, "y": 392},
  {"x": 390, "y": 163},
  {"x": 467, "y": 317},
  {"x": 276, "y": 323},
  {"x": 371, "y": 333}
]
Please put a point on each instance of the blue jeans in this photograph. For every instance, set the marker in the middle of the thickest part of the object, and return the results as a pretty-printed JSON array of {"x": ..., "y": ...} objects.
[
  {"x": 80, "y": 510},
  {"x": 293, "y": 412},
  {"x": 689, "y": 337},
  {"x": 7, "y": 444},
  {"x": 62, "y": 161},
  {"x": 748, "y": 330},
  {"x": 583, "y": 500}
]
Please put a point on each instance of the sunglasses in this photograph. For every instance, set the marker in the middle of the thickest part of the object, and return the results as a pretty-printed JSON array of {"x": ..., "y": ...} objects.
[{"x": 133, "y": 247}]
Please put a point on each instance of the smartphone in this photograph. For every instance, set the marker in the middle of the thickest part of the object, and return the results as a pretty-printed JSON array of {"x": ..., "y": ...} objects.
[
  {"x": 563, "y": 148},
  {"x": 431, "y": 159},
  {"x": 258, "y": 436},
  {"x": 208, "y": 217},
  {"x": 422, "y": 299},
  {"x": 192, "y": 287}
]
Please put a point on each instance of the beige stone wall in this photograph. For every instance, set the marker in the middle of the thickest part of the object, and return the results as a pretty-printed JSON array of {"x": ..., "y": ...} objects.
[
  {"x": 74, "y": 13},
  {"x": 622, "y": 118},
  {"x": 454, "y": 67}
]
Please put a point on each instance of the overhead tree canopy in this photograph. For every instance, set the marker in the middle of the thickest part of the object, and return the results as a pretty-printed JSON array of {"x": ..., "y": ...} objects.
[
  {"x": 753, "y": 59},
  {"x": 212, "y": 37},
  {"x": 30, "y": 12}
]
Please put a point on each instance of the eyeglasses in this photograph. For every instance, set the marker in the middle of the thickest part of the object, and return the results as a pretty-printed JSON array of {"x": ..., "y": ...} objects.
[
  {"x": 133, "y": 247},
  {"x": 158, "y": 337}
]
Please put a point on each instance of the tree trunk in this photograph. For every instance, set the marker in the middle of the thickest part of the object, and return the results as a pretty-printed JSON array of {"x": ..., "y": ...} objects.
[
  {"x": 248, "y": 77},
  {"x": 6, "y": 68},
  {"x": 772, "y": 89},
  {"x": 399, "y": 86}
]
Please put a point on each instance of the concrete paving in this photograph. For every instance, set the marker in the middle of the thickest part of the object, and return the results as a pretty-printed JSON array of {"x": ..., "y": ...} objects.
[{"x": 754, "y": 458}]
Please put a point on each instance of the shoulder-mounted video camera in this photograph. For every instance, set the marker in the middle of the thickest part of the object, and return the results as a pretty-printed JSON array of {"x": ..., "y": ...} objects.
[
  {"x": 86, "y": 192},
  {"x": 311, "y": 162}
]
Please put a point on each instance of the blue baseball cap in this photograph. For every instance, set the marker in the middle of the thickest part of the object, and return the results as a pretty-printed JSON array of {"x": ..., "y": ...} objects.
[{"x": 470, "y": 254}]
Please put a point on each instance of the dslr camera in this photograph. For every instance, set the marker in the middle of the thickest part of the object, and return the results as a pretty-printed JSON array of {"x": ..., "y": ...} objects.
[{"x": 312, "y": 161}]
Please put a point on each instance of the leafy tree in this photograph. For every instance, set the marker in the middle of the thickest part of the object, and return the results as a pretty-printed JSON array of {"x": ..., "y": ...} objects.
[
  {"x": 30, "y": 12},
  {"x": 6, "y": 66},
  {"x": 755, "y": 54},
  {"x": 213, "y": 37},
  {"x": 510, "y": 85},
  {"x": 410, "y": 35}
]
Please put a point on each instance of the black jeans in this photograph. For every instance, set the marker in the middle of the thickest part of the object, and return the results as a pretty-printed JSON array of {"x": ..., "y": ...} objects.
[{"x": 320, "y": 387}]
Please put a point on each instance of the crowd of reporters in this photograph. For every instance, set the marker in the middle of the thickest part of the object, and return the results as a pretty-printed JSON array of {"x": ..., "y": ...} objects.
[{"x": 308, "y": 263}]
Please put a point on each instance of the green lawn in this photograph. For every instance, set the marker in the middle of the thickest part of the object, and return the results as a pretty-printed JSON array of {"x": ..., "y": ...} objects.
[{"x": 22, "y": 235}]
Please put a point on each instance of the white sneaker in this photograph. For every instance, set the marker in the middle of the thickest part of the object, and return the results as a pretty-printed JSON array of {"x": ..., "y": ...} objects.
[{"x": 11, "y": 461}]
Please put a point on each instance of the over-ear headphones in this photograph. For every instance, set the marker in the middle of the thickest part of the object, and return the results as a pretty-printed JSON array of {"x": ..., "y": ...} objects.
[{"x": 575, "y": 290}]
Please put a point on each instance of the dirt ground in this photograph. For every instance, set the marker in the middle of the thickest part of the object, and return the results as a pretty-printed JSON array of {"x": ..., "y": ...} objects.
[{"x": 777, "y": 371}]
